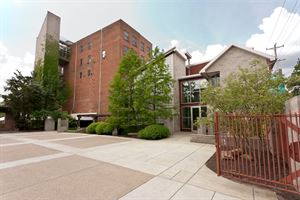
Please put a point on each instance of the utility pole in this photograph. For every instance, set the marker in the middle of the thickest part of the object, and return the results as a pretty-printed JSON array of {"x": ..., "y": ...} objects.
[{"x": 275, "y": 50}]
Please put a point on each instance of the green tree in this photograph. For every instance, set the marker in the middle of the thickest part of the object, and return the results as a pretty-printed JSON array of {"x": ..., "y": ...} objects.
[
  {"x": 47, "y": 74},
  {"x": 155, "y": 85},
  {"x": 294, "y": 79},
  {"x": 25, "y": 96},
  {"x": 123, "y": 92},
  {"x": 252, "y": 90}
]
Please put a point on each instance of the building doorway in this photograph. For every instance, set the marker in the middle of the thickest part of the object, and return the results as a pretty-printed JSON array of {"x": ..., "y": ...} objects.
[{"x": 189, "y": 115}]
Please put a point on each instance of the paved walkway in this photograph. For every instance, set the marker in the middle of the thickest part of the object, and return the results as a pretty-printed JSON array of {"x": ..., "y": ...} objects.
[{"x": 50, "y": 165}]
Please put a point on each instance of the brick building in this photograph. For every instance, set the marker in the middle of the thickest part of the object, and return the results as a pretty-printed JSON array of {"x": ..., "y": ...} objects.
[{"x": 89, "y": 64}]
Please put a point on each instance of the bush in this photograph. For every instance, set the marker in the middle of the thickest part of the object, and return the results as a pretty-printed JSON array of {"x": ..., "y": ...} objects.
[
  {"x": 92, "y": 128},
  {"x": 72, "y": 124},
  {"x": 154, "y": 132},
  {"x": 104, "y": 128}
]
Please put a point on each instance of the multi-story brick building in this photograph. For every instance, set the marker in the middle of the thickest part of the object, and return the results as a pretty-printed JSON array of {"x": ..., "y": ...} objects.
[{"x": 89, "y": 64}]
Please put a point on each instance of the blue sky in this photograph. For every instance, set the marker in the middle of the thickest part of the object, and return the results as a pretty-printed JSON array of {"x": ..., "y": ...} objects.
[{"x": 202, "y": 27}]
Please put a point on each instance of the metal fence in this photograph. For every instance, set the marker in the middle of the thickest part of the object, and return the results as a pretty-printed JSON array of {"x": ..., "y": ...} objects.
[{"x": 261, "y": 149}]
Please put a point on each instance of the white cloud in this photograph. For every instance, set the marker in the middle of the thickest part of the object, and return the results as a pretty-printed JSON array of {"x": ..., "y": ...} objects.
[
  {"x": 9, "y": 64},
  {"x": 209, "y": 53},
  {"x": 287, "y": 32},
  {"x": 174, "y": 43}
]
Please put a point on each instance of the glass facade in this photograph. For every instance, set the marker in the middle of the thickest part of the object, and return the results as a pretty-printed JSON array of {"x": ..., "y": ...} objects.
[
  {"x": 190, "y": 90},
  {"x": 186, "y": 118}
]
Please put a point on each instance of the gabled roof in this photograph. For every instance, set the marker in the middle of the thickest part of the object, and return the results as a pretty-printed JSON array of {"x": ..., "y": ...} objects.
[
  {"x": 174, "y": 50},
  {"x": 267, "y": 56}
]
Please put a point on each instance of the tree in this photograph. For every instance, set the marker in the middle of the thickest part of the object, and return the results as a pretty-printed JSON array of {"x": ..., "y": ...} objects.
[
  {"x": 33, "y": 98},
  {"x": 25, "y": 96},
  {"x": 155, "y": 84},
  {"x": 47, "y": 74},
  {"x": 294, "y": 79},
  {"x": 140, "y": 92},
  {"x": 252, "y": 90},
  {"x": 123, "y": 91}
]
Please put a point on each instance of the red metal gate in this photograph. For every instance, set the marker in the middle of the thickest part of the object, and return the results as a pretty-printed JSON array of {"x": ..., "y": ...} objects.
[{"x": 261, "y": 149}]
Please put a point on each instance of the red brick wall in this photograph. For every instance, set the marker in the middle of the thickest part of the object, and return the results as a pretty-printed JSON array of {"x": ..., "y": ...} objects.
[
  {"x": 9, "y": 123},
  {"x": 195, "y": 69},
  {"x": 87, "y": 87}
]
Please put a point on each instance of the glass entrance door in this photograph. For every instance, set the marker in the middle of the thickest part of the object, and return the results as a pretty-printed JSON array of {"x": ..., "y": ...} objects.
[
  {"x": 189, "y": 115},
  {"x": 195, "y": 114}
]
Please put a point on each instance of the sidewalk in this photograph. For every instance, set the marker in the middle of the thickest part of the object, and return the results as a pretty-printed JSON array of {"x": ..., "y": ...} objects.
[{"x": 126, "y": 169}]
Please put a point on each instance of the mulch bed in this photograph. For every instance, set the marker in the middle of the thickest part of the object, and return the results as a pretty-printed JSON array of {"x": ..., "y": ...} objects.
[{"x": 281, "y": 195}]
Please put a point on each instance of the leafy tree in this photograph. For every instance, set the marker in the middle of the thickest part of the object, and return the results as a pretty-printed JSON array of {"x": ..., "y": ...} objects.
[
  {"x": 251, "y": 91},
  {"x": 123, "y": 91},
  {"x": 294, "y": 79},
  {"x": 155, "y": 84},
  {"x": 140, "y": 92},
  {"x": 25, "y": 97},
  {"x": 48, "y": 75},
  {"x": 33, "y": 98}
]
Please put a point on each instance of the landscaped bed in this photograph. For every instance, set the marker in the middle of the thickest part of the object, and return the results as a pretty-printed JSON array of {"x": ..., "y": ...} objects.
[{"x": 281, "y": 195}]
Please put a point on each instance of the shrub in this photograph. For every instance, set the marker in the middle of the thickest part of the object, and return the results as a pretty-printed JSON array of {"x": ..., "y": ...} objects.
[
  {"x": 92, "y": 128},
  {"x": 108, "y": 129},
  {"x": 104, "y": 128},
  {"x": 154, "y": 132}
]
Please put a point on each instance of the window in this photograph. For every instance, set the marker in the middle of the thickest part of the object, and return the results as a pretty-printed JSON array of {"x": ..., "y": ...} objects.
[
  {"x": 125, "y": 50},
  {"x": 142, "y": 46},
  {"x": 81, "y": 48},
  {"x": 81, "y": 62},
  {"x": 90, "y": 45},
  {"x": 186, "y": 117},
  {"x": 215, "y": 80},
  {"x": 148, "y": 49},
  {"x": 80, "y": 74},
  {"x": 89, "y": 72},
  {"x": 190, "y": 90},
  {"x": 89, "y": 59},
  {"x": 126, "y": 36},
  {"x": 134, "y": 41}
]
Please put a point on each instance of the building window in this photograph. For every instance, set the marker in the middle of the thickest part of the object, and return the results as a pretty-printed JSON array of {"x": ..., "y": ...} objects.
[
  {"x": 89, "y": 59},
  {"x": 80, "y": 74},
  {"x": 81, "y": 62},
  {"x": 190, "y": 90},
  {"x": 148, "y": 49},
  {"x": 81, "y": 48},
  {"x": 142, "y": 46},
  {"x": 90, "y": 45},
  {"x": 215, "y": 80},
  {"x": 134, "y": 41},
  {"x": 89, "y": 72},
  {"x": 125, "y": 50},
  {"x": 126, "y": 36}
]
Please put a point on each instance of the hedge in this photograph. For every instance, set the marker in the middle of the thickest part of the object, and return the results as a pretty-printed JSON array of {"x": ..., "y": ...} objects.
[
  {"x": 154, "y": 132},
  {"x": 92, "y": 128}
]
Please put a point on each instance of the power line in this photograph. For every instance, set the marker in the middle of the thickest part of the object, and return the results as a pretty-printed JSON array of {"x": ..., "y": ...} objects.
[
  {"x": 276, "y": 23},
  {"x": 287, "y": 21}
]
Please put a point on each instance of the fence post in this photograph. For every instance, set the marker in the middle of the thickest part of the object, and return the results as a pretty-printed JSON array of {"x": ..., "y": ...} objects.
[{"x": 217, "y": 143}]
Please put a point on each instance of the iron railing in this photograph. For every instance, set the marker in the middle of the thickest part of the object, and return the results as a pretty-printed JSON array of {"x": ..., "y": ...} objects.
[{"x": 261, "y": 149}]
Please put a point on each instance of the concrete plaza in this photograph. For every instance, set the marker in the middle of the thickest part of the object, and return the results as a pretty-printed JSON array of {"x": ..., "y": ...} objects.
[{"x": 50, "y": 165}]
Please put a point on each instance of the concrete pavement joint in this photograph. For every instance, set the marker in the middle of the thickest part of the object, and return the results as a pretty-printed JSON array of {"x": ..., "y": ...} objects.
[
  {"x": 179, "y": 161},
  {"x": 32, "y": 160},
  {"x": 213, "y": 195}
]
